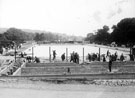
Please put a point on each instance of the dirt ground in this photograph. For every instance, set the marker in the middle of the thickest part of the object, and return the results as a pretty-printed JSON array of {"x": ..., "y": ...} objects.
[{"x": 38, "y": 89}]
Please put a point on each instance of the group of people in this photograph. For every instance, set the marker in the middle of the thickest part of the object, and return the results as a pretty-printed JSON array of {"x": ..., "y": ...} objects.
[
  {"x": 93, "y": 57},
  {"x": 115, "y": 57},
  {"x": 104, "y": 57},
  {"x": 74, "y": 57},
  {"x": 36, "y": 59},
  {"x": 5, "y": 48}
]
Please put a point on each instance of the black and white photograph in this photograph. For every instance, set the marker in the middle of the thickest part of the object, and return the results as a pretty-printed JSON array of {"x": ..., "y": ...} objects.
[{"x": 67, "y": 48}]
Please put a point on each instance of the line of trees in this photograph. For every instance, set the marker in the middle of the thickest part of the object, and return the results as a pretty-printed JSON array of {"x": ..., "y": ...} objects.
[
  {"x": 47, "y": 37},
  {"x": 123, "y": 33},
  {"x": 19, "y": 36}
]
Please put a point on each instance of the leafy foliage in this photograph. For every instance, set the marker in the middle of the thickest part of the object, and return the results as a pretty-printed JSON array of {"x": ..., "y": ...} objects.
[
  {"x": 123, "y": 33},
  {"x": 102, "y": 36},
  {"x": 18, "y": 35}
]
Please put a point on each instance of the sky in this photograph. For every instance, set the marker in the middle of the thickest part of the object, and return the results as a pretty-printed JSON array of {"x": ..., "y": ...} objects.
[{"x": 72, "y": 17}]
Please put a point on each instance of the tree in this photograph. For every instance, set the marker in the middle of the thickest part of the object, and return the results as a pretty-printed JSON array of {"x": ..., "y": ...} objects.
[
  {"x": 37, "y": 37},
  {"x": 16, "y": 35},
  {"x": 102, "y": 35},
  {"x": 124, "y": 31},
  {"x": 2, "y": 37}
]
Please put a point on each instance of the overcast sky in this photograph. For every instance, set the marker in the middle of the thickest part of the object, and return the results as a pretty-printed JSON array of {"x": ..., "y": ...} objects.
[{"x": 73, "y": 17}]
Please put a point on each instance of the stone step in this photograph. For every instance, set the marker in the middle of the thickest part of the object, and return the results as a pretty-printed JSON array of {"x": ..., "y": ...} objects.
[{"x": 50, "y": 64}]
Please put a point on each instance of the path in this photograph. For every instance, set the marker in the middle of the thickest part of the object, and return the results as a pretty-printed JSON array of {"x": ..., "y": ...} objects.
[{"x": 44, "y": 90}]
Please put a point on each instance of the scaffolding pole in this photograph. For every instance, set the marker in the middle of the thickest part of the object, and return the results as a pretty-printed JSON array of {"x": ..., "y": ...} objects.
[
  {"x": 32, "y": 54},
  {"x": 50, "y": 54},
  {"x": 83, "y": 55},
  {"x": 67, "y": 54}
]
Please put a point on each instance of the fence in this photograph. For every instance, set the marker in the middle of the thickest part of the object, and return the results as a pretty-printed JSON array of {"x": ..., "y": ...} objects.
[
  {"x": 82, "y": 55},
  {"x": 44, "y": 52}
]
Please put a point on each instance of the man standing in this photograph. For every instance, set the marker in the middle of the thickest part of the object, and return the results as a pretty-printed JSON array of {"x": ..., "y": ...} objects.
[
  {"x": 63, "y": 56},
  {"x": 72, "y": 57},
  {"x": 110, "y": 63},
  {"x": 54, "y": 54},
  {"x": 122, "y": 57}
]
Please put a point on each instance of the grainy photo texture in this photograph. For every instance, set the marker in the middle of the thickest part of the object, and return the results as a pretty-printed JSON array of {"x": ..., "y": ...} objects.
[{"x": 67, "y": 48}]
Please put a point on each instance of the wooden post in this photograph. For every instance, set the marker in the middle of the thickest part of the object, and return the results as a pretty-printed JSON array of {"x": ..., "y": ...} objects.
[
  {"x": 67, "y": 54},
  {"x": 32, "y": 54},
  {"x": 15, "y": 52},
  {"x": 99, "y": 54},
  {"x": 130, "y": 50},
  {"x": 50, "y": 54},
  {"x": 83, "y": 55}
]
